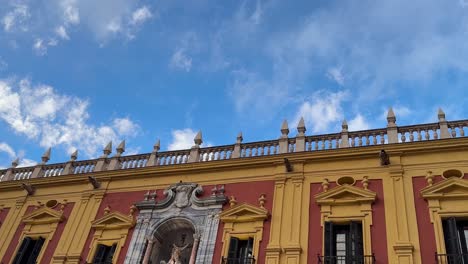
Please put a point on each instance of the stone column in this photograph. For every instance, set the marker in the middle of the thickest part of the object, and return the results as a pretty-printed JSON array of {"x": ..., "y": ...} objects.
[
  {"x": 193, "y": 255},
  {"x": 149, "y": 247}
]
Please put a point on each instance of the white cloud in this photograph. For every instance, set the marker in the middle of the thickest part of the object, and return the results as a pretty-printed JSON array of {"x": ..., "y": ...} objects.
[
  {"x": 43, "y": 115},
  {"x": 323, "y": 110},
  {"x": 182, "y": 139},
  {"x": 40, "y": 47},
  {"x": 16, "y": 18},
  {"x": 61, "y": 31},
  {"x": 140, "y": 15},
  {"x": 335, "y": 73},
  {"x": 70, "y": 12},
  {"x": 4, "y": 147},
  {"x": 181, "y": 61},
  {"x": 358, "y": 123},
  {"x": 125, "y": 127}
]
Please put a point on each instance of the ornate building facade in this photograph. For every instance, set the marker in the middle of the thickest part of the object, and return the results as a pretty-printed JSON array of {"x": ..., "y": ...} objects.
[{"x": 398, "y": 194}]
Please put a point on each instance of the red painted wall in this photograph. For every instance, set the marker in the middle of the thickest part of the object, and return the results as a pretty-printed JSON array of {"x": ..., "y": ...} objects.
[
  {"x": 378, "y": 228},
  {"x": 3, "y": 215},
  {"x": 49, "y": 251},
  {"x": 246, "y": 193},
  {"x": 120, "y": 202},
  {"x": 426, "y": 229}
]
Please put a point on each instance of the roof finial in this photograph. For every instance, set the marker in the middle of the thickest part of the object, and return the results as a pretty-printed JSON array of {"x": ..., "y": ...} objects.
[
  {"x": 284, "y": 129},
  {"x": 344, "y": 126},
  {"x": 46, "y": 156},
  {"x": 74, "y": 155},
  {"x": 107, "y": 150},
  {"x": 301, "y": 127},
  {"x": 120, "y": 148},
  {"x": 441, "y": 115},
  {"x": 157, "y": 146},
  {"x": 198, "y": 139},
  {"x": 391, "y": 119},
  {"x": 15, "y": 163},
  {"x": 239, "y": 138}
]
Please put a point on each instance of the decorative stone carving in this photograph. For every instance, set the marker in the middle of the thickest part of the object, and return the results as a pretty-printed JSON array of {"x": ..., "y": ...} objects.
[{"x": 183, "y": 211}]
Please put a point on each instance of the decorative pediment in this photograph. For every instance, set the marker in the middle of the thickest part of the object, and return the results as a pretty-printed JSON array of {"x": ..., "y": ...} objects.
[
  {"x": 345, "y": 194},
  {"x": 244, "y": 213},
  {"x": 43, "y": 215},
  {"x": 114, "y": 220},
  {"x": 450, "y": 188}
]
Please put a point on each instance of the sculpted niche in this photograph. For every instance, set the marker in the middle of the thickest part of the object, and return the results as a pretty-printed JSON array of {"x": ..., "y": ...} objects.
[{"x": 181, "y": 228}]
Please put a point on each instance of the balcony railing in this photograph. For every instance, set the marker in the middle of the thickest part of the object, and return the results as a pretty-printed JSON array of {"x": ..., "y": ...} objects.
[
  {"x": 247, "y": 260},
  {"x": 366, "y": 259},
  {"x": 451, "y": 258},
  {"x": 392, "y": 134}
]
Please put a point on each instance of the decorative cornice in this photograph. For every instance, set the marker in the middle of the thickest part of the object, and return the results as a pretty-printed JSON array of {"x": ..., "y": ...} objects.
[
  {"x": 43, "y": 215},
  {"x": 452, "y": 188},
  {"x": 345, "y": 194},
  {"x": 243, "y": 213},
  {"x": 114, "y": 220}
]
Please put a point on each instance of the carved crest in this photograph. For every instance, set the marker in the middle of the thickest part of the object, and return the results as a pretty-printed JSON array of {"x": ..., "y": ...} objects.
[{"x": 182, "y": 195}]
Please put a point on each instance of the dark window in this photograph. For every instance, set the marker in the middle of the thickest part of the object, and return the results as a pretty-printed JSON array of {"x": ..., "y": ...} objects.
[
  {"x": 240, "y": 251},
  {"x": 456, "y": 240},
  {"x": 104, "y": 254},
  {"x": 343, "y": 243},
  {"x": 29, "y": 250}
]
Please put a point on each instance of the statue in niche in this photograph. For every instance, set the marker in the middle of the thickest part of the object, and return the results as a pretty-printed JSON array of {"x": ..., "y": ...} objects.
[{"x": 177, "y": 252}]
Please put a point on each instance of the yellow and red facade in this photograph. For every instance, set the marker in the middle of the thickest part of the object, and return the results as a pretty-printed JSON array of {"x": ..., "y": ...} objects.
[{"x": 282, "y": 200}]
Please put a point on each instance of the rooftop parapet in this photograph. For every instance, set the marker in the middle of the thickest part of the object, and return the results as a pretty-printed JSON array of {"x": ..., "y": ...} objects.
[{"x": 392, "y": 134}]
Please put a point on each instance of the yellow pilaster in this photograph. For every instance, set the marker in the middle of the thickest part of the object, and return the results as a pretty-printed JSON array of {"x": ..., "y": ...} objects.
[
  {"x": 11, "y": 223},
  {"x": 273, "y": 250},
  {"x": 78, "y": 229},
  {"x": 400, "y": 215}
]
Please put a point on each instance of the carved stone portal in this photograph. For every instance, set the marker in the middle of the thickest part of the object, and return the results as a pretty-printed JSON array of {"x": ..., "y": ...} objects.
[{"x": 181, "y": 228}]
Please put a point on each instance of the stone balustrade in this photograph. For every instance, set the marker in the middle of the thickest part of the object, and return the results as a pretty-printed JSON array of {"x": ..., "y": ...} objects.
[{"x": 392, "y": 134}]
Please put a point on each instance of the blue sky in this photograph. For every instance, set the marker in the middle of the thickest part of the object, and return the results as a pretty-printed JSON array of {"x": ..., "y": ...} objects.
[{"x": 75, "y": 74}]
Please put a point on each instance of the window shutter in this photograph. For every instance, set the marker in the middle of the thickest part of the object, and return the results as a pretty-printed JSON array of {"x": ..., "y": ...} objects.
[
  {"x": 356, "y": 239},
  {"x": 100, "y": 254},
  {"x": 452, "y": 245},
  {"x": 233, "y": 247},
  {"x": 110, "y": 254},
  {"x": 21, "y": 254},
  {"x": 329, "y": 238},
  {"x": 36, "y": 250},
  {"x": 250, "y": 247}
]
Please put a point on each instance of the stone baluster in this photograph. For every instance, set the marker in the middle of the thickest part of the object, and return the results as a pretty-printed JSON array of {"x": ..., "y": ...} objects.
[
  {"x": 283, "y": 140},
  {"x": 69, "y": 167},
  {"x": 115, "y": 161},
  {"x": 195, "y": 150},
  {"x": 38, "y": 170},
  {"x": 102, "y": 161},
  {"x": 300, "y": 138},
  {"x": 153, "y": 159},
  {"x": 453, "y": 131},
  {"x": 462, "y": 132},
  {"x": 9, "y": 173},
  {"x": 444, "y": 133},
  {"x": 344, "y": 135},
  {"x": 419, "y": 135},
  {"x": 392, "y": 129}
]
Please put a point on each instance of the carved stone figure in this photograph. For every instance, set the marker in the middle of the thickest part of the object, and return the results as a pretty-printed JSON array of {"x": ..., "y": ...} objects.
[
  {"x": 183, "y": 193},
  {"x": 176, "y": 252}
]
